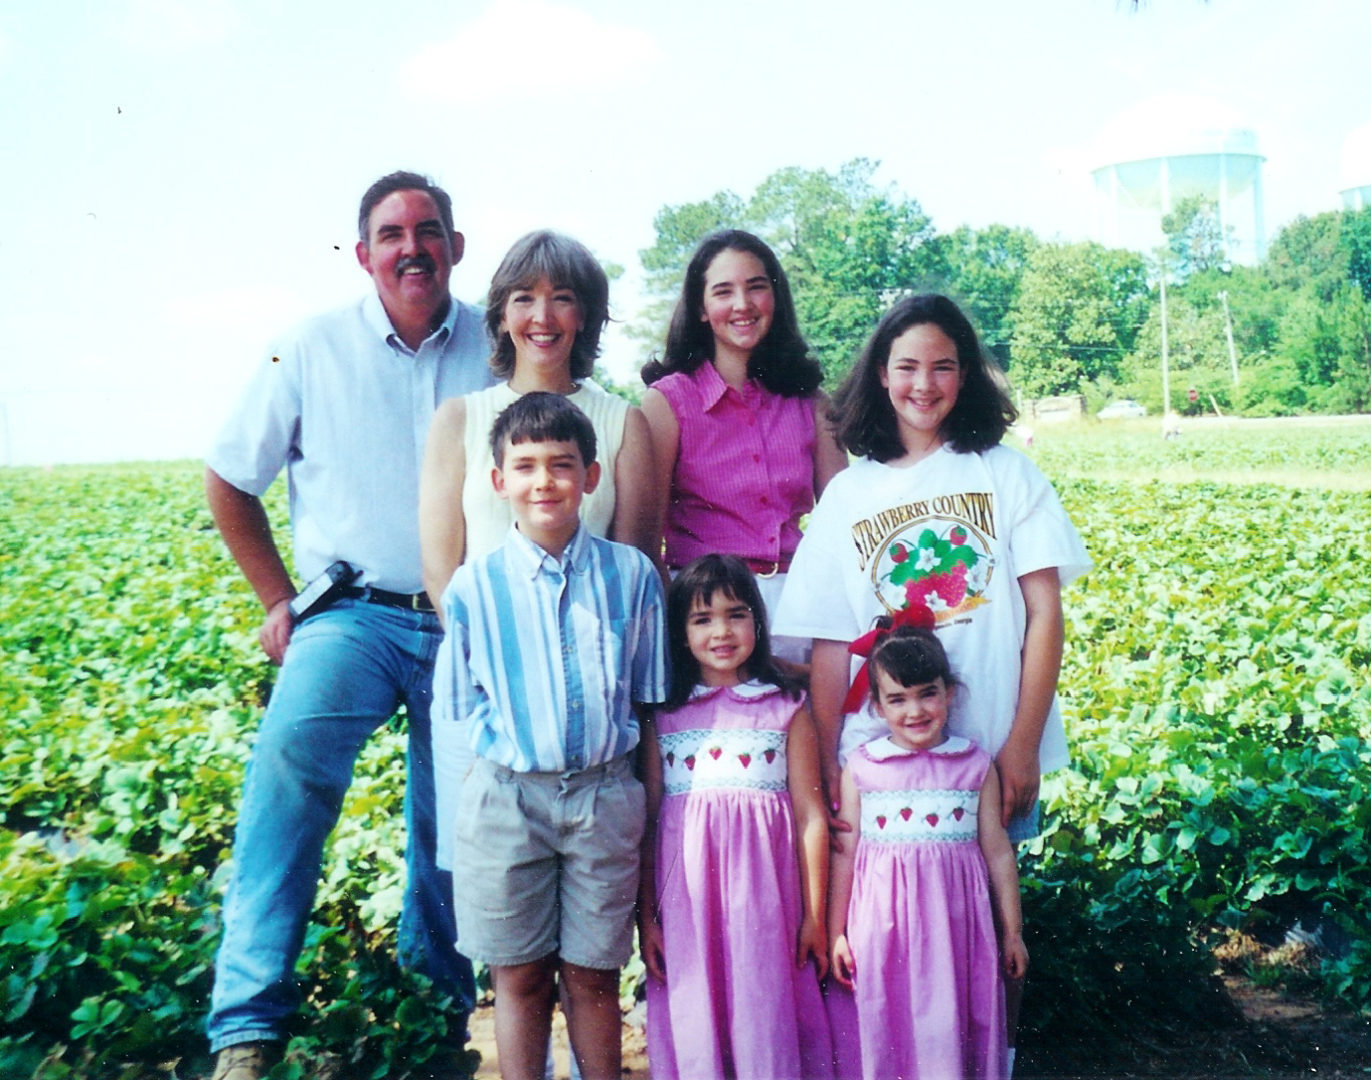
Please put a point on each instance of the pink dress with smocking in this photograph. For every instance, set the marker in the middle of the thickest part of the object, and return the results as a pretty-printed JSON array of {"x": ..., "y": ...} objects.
[
  {"x": 728, "y": 893},
  {"x": 929, "y": 995}
]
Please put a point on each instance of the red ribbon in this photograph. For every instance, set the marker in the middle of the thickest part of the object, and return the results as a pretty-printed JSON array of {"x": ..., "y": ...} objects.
[{"x": 916, "y": 614}]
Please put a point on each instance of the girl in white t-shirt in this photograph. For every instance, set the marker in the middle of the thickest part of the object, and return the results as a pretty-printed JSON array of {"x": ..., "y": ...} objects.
[{"x": 939, "y": 512}]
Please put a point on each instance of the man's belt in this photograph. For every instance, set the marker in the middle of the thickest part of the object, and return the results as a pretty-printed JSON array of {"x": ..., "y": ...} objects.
[{"x": 409, "y": 601}]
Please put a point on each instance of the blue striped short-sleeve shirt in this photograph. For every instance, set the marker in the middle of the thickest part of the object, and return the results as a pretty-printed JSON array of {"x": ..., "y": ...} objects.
[{"x": 546, "y": 657}]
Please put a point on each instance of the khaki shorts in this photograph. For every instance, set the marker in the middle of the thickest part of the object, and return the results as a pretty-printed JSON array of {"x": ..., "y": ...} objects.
[{"x": 547, "y": 863}]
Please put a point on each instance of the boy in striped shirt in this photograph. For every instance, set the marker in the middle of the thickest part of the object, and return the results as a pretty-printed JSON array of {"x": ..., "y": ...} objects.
[{"x": 552, "y": 640}]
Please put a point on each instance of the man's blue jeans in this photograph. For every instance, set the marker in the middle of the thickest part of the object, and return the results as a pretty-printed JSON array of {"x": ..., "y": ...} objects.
[{"x": 345, "y": 672}]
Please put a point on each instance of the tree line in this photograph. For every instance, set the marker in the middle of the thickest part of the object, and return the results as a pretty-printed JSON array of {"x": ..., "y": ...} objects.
[{"x": 1062, "y": 318}]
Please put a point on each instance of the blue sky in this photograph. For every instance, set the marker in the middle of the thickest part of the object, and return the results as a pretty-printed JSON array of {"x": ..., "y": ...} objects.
[{"x": 181, "y": 178}]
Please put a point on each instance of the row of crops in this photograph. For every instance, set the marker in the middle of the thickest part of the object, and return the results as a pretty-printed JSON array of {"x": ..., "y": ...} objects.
[{"x": 1217, "y": 697}]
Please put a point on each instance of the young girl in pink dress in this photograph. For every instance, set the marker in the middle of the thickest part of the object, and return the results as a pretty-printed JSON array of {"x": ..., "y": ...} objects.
[
  {"x": 739, "y": 434},
  {"x": 915, "y": 903},
  {"x": 735, "y": 858}
]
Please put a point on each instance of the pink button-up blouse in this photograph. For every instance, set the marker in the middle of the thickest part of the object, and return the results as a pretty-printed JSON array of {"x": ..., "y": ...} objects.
[{"x": 744, "y": 472}]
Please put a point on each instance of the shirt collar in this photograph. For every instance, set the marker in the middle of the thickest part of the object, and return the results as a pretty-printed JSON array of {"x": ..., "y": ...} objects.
[
  {"x": 883, "y": 749},
  {"x": 374, "y": 313},
  {"x": 712, "y": 387},
  {"x": 533, "y": 559},
  {"x": 753, "y": 688}
]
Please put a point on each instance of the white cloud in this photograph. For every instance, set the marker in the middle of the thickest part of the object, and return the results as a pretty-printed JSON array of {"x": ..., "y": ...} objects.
[{"x": 526, "y": 47}]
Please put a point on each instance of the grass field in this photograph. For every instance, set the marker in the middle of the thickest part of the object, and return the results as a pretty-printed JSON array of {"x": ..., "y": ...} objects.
[
  {"x": 1327, "y": 452},
  {"x": 1215, "y": 685}
]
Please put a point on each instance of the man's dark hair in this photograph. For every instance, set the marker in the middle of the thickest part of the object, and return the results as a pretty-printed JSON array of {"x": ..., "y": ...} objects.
[
  {"x": 402, "y": 181},
  {"x": 542, "y": 417}
]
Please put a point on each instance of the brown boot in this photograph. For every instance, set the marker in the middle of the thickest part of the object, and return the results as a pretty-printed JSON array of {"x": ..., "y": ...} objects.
[{"x": 246, "y": 1061}]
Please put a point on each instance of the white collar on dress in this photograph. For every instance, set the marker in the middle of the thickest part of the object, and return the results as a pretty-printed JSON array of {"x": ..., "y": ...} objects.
[
  {"x": 753, "y": 688},
  {"x": 884, "y": 748}
]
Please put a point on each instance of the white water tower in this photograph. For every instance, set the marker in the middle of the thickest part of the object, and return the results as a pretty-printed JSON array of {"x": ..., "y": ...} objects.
[
  {"x": 1355, "y": 185},
  {"x": 1168, "y": 148}
]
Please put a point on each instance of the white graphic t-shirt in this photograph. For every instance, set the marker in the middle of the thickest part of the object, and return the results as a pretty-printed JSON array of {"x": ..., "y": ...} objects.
[{"x": 954, "y": 532}]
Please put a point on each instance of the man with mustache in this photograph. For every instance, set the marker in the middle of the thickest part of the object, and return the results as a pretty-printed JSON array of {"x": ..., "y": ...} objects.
[{"x": 343, "y": 405}]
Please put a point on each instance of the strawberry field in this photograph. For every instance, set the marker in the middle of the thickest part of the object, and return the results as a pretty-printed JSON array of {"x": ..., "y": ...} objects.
[{"x": 1215, "y": 684}]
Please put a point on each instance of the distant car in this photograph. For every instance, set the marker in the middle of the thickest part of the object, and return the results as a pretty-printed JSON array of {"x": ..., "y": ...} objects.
[{"x": 1126, "y": 409}]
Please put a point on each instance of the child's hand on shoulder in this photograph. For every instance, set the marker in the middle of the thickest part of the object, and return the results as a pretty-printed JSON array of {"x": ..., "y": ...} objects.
[
  {"x": 844, "y": 967},
  {"x": 813, "y": 941},
  {"x": 1014, "y": 956}
]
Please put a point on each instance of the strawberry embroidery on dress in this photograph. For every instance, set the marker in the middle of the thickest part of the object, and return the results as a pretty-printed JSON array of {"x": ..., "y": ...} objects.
[
  {"x": 918, "y": 815},
  {"x": 704, "y": 758}
]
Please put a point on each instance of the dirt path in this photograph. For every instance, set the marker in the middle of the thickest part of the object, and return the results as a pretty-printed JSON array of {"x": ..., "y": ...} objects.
[
  {"x": 483, "y": 1039},
  {"x": 1281, "y": 1036},
  {"x": 1328, "y": 1043},
  {"x": 1272, "y": 1034}
]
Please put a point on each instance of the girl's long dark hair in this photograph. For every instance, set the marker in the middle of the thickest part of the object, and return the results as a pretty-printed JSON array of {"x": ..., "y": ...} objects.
[
  {"x": 863, "y": 418},
  {"x": 781, "y": 362},
  {"x": 701, "y": 579}
]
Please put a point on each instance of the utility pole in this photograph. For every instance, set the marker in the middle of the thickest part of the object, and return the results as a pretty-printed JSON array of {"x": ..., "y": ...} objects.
[
  {"x": 1228, "y": 331},
  {"x": 1166, "y": 359}
]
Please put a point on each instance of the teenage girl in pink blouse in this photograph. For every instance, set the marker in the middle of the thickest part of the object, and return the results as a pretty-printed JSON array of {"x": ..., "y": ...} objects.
[{"x": 739, "y": 434}]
